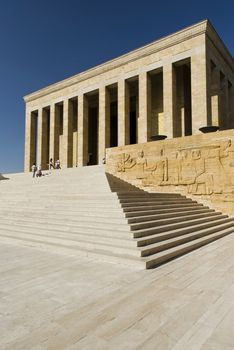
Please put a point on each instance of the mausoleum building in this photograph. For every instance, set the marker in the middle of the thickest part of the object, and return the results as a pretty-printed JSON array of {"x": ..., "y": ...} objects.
[{"x": 173, "y": 87}]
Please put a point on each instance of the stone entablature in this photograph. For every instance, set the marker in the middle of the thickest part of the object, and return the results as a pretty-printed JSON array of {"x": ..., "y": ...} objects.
[
  {"x": 199, "y": 165},
  {"x": 173, "y": 86},
  {"x": 152, "y": 48}
]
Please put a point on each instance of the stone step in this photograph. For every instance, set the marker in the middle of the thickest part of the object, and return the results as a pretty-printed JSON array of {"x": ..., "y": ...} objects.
[
  {"x": 162, "y": 222},
  {"x": 64, "y": 197},
  {"x": 156, "y": 200},
  {"x": 69, "y": 226},
  {"x": 80, "y": 244},
  {"x": 211, "y": 227},
  {"x": 172, "y": 253},
  {"x": 45, "y": 217},
  {"x": 111, "y": 237},
  {"x": 166, "y": 211},
  {"x": 176, "y": 241},
  {"x": 82, "y": 211},
  {"x": 62, "y": 205},
  {"x": 160, "y": 207},
  {"x": 129, "y": 195},
  {"x": 176, "y": 214},
  {"x": 63, "y": 201},
  {"x": 97, "y": 254},
  {"x": 151, "y": 203},
  {"x": 96, "y": 232},
  {"x": 186, "y": 225}
]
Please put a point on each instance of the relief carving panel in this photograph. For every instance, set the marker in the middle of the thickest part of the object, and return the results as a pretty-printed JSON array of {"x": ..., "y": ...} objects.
[{"x": 204, "y": 168}]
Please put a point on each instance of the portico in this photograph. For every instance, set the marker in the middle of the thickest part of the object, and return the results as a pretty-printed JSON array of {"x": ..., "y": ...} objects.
[{"x": 173, "y": 87}]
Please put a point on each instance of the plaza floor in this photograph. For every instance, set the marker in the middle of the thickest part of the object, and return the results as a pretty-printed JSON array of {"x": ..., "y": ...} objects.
[{"x": 54, "y": 301}]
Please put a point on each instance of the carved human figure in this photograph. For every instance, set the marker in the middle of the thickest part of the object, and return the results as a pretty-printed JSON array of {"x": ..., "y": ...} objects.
[
  {"x": 186, "y": 171},
  {"x": 227, "y": 161},
  {"x": 203, "y": 183},
  {"x": 163, "y": 167},
  {"x": 125, "y": 163},
  {"x": 214, "y": 168},
  {"x": 141, "y": 163},
  {"x": 159, "y": 171}
]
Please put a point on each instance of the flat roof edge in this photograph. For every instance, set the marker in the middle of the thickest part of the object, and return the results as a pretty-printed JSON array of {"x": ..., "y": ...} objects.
[{"x": 164, "y": 42}]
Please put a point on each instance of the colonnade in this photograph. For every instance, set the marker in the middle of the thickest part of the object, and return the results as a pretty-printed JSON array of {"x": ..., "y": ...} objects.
[{"x": 172, "y": 100}]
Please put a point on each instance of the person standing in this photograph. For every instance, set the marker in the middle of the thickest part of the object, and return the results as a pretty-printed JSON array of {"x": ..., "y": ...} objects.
[
  {"x": 57, "y": 164},
  {"x": 34, "y": 169},
  {"x": 39, "y": 172},
  {"x": 51, "y": 165}
]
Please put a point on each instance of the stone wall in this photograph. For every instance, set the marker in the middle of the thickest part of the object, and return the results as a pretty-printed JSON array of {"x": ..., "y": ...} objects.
[{"x": 200, "y": 166}]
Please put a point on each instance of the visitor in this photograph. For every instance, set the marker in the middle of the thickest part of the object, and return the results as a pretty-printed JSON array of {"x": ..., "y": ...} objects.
[
  {"x": 57, "y": 164},
  {"x": 51, "y": 164},
  {"x": 34, "y": 169},
  {"x": 39, "y": 172}
]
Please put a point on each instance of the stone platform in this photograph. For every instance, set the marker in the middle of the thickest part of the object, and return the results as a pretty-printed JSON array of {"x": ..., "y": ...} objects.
[{"x": 58, "y": 301}]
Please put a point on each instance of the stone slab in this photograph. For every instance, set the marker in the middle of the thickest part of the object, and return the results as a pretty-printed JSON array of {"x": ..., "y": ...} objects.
[{"x": 59, "y": 301}]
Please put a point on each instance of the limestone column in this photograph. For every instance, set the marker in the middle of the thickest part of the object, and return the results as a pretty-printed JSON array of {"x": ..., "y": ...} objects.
[
  {"x": 215, "y": 97},
  {"x": 104, "y": 122},
  {"x": 168, "y": 99},
  {"x": 75, "y": 132},
  {"x": 199, "y": 90},
  {"x": 54, "y": 132},
  {"x": 123, "y": 113},
  {"x": 144, "y": 119},
  {"x": 224, "y": 113},
  {"x": 82, "y": 130},
  {"x": 30, "y": 140},
  {"x": 67, "y": 134},
  {"x": 41, "y": 144},
  {"x": 230, "y": 106}
]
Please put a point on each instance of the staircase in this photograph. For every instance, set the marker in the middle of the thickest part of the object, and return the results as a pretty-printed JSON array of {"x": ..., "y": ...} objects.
[{"x": 89, "y": 213}]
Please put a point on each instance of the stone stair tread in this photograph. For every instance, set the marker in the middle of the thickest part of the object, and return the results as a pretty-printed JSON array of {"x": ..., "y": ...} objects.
[
  {"x": 65, "y": 214},
  {"x": 165, "y": 206},
  {"x": 166, "y": 244},
  {"x": 162, "y": 211},
  {"x": 171, "y": 253},
  {"x": 84, "y": 224},
  {"x": 155, "y": 204},
  {"x": 184, "y": 225},
  {"x": 169, "y": 215},
  {"x": 78, "y": 230},
  {"x": 67, "y": 241},
  {"x": 167, "y": 221},
  {"x": 79, "y": 235},
  {"x": 100, "y": 254},
  {"x": 160, "y": 237},
  {"x": 153, "y": 201},
  {"x": 155, "y": 194},
  {"x": 73, "y": 220}
]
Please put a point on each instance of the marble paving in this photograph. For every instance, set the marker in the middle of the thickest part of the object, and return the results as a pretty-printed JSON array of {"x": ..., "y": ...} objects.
[{"x": 53, "y": 301}]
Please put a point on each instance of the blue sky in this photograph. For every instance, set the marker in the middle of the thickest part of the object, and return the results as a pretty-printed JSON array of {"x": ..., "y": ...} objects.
[{"x": 42, "y": 42}]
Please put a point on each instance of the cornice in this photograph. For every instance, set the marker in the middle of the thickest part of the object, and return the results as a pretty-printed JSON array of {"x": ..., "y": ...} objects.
[
  {"x": 156, "y": 46},
  {"x": 218, "y": 43}
]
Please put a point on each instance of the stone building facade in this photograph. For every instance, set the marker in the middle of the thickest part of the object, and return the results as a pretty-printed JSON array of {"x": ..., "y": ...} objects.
[{"x": 170, "y": 87}]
